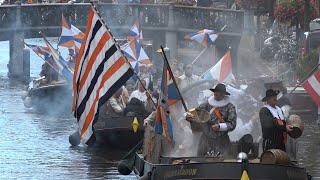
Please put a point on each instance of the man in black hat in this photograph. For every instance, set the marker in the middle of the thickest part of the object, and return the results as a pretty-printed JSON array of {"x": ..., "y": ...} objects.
[
  {"x": 223, "y": 118},
  {"x": 274, "y": 128},
  {"x": 283, "y": 101}
]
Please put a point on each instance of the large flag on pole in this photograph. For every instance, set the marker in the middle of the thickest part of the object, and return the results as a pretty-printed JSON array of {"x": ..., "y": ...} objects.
[
  {"x": 168, "y": 96},
  {"x": 71, "y": 37},
  {"x": 312, "y": 86},
  {"x": 222, "y": 71},
  {"x": 205, "y": 37},
  {"x": 101, "y": 69}
]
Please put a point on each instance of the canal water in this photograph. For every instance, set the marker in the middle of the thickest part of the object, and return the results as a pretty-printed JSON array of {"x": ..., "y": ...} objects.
[{"x": 35, "y": 146}]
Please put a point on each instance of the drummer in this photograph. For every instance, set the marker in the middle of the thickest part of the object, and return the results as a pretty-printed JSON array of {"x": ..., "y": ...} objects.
[
  {"x": 274, "y": 128},
  {"x": 215, "y": 139}
]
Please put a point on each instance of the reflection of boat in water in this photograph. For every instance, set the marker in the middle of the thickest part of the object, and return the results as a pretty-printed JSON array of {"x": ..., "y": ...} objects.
[
  {"x": 117, "y": 131},
  {"x": 55, "y": 97}
]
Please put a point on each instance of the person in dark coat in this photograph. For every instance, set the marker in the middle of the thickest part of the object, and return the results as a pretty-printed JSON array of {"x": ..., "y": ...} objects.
[
  {"x": 223, "y": 118},
  {"x": 283, "y": 101},
  {"x": 274, "y": 128}
]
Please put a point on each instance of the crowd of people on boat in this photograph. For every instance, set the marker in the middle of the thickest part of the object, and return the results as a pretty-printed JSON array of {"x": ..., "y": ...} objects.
[
  {"x": 254, "y": 112},
  {"x": 236, "y": 109}
]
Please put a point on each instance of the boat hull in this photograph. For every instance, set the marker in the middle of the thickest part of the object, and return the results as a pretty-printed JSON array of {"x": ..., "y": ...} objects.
[
  {"x": 52, "y": 99},
  {"x": 116, "y": 131},
  {"x": 215, "y": 170}
]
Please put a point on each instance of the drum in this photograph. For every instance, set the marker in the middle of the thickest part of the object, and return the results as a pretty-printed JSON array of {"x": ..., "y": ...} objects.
[
  {"x": 297, "y": 124},
  {"x": 201, "y": 117}
]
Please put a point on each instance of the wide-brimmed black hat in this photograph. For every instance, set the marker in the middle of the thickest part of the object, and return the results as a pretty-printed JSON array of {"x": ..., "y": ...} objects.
[
  {"x": 269, "y": 93},
  {"x": 220, "y": 88}
]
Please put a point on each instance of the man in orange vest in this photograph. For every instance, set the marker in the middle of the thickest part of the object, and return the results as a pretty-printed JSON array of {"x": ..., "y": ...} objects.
[
  {"x": 223, "y": 118},
  {"x": 274, "y": 128}
]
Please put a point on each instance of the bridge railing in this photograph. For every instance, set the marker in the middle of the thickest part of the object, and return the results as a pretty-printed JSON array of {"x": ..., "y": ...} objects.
[
  {"x": 44, "y": 16},
  {"x": 8, "y": 16},
  {"x": 209, "y": 18}
]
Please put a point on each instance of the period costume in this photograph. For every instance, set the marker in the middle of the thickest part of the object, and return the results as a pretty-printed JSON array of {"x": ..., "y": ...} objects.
[
  {"x": 223, "y": 113},
  {"x": 283, "y": 101},
  {"x": 273, "y": 125}
]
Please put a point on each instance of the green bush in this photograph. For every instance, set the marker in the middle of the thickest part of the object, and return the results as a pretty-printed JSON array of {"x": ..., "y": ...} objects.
[{"x": 306, "y": 64}]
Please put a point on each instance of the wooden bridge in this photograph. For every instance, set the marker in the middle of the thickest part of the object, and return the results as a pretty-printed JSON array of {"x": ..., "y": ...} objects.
[{"x": 163, "y": 24}]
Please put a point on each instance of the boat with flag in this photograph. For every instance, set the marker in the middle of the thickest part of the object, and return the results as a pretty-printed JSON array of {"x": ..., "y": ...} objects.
[{"x": 153, "y": 159}]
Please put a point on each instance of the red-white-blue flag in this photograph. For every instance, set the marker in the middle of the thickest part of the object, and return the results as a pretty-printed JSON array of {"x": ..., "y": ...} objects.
[
  {"x": 71, "y": 37},
  {"x": 167, "y": 97},
  {"x": 312, "y": 86},
  {"x": 205, "y": 37},
  {"x": 222, "y": 71},
  {"x": 135, "y": 32}
]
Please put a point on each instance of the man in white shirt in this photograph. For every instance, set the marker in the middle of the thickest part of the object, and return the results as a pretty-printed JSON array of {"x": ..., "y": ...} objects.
[
  {"x": 188, "y": 77},
  {"x": 117, "y": 102},
  {"x": 140, "y": 93}
]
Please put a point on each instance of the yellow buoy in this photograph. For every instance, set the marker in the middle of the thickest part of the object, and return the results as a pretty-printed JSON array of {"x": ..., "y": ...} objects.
[{"x": 135, "y": 124}]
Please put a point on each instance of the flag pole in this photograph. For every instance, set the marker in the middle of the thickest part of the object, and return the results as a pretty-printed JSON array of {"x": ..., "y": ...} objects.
[
  {"x": 205, "y": 48},
  {"x": 44, "y": 59},
  {"x": 119, "y": 49},
  {"x": 305, "y": 78},
  {"x": 173, "y": 79},
  {"x": 199, "y": 55}
]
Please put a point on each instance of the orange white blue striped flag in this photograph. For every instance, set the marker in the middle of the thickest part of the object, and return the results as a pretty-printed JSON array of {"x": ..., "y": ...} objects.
[{"x": 101, "y": 69}]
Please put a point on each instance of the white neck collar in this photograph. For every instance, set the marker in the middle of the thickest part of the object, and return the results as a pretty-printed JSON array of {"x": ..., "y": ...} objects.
[
  {"x": 276, "y": 112},
  {"x": 221, "y": 103}
]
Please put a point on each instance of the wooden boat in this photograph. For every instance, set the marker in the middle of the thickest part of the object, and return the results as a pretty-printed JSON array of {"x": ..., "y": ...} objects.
[
  {"x": 50, "y": 98},
  {"x": 208, "y": 168},
  {"x": 230, "y": 166},
  {"x": 117, "y": 131}
]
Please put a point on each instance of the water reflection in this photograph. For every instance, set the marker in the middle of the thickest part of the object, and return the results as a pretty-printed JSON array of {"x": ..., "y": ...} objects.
[{"x": 309, "y": 147}]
